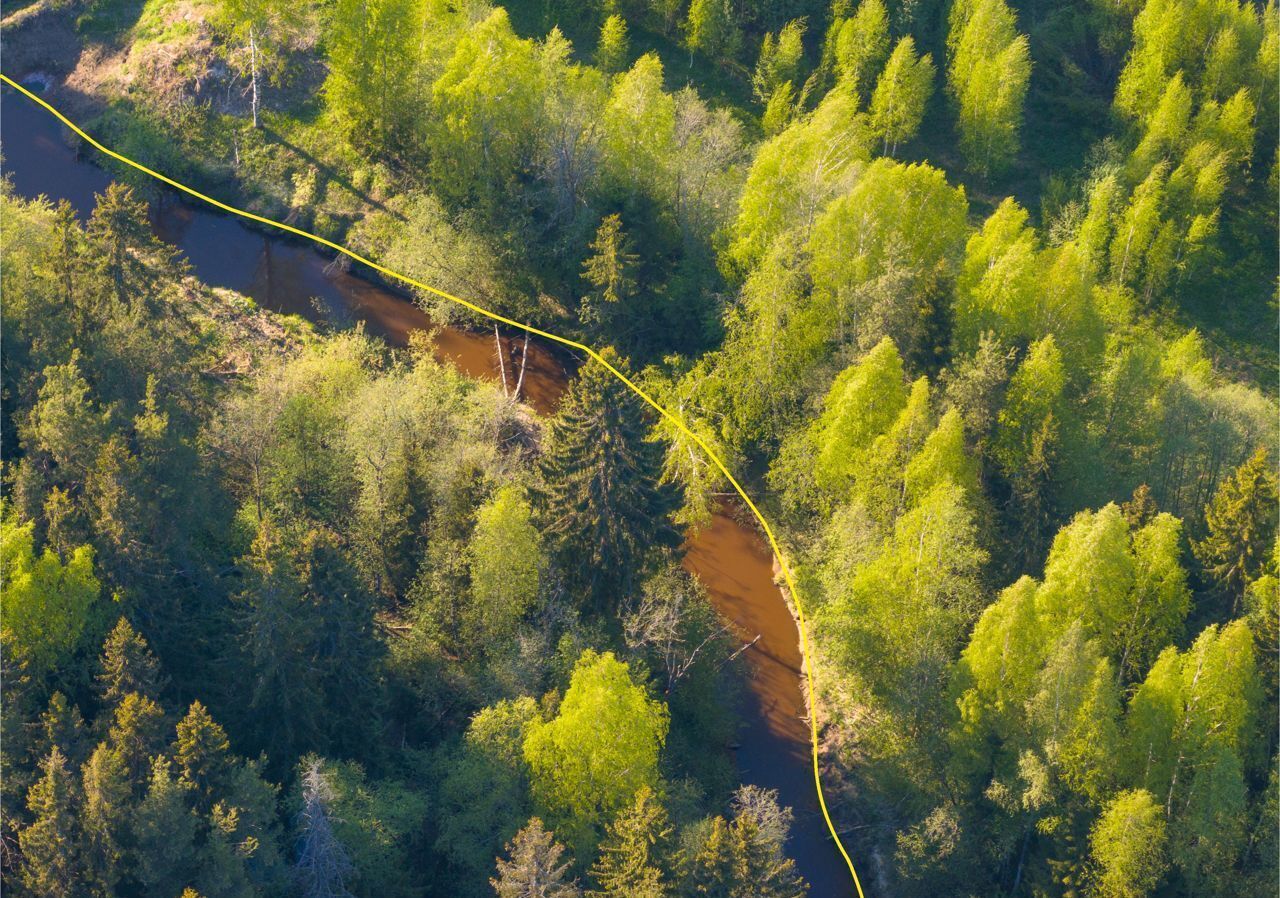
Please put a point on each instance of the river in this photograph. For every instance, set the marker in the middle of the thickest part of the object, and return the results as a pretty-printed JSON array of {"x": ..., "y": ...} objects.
[{"x": 731, "y": 559}]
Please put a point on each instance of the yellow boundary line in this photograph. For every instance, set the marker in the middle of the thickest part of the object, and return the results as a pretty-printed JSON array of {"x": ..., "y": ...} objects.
[{"x": 546, "y": 335}]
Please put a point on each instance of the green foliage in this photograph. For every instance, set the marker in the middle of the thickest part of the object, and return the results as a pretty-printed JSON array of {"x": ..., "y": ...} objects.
[
  {"x": 605, "y": 514},
  {"x": 49, "y": 606},
  {"x": 506, "y": 564},
  {"x": 483, "y": 790},
  {"x": 1241, "y": 524},
  {"x": 634, "y": 850},
  {"x": 534, "y": 867},
  {"x": 989, "y": 68},
  {"x": 1128, "y": 845},
  {"x": 794, "y": 174},
  {"x": 373, "y": 79},
  {"x": 588, "y": 762},
  {"x": 882, "y": 251},
  {"x": 861, "y": 404},
  {"x": 376, "y": 822},
  {"x": 901, "y": 94},
  {"x": 610, "y": 272},
  {"x": 862, "y": 46},
  {"x": 710, "y": 29},
  {"x": 781, "y": 56},
  {"x": 613, "y": 46}
]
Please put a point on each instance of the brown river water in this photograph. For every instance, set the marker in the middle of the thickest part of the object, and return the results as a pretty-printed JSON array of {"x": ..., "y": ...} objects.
[{"x": 731, "y": 559}]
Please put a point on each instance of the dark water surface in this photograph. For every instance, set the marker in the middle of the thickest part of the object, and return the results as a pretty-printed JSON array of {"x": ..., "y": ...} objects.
[{"x": 732, "y": 560}]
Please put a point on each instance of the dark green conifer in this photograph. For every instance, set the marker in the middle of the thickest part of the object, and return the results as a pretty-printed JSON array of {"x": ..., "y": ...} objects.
[{"x": 606, "y": 515}]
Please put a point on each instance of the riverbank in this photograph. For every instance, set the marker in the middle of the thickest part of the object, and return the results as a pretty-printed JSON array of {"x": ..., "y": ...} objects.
[{"x": 732, "y": 559}]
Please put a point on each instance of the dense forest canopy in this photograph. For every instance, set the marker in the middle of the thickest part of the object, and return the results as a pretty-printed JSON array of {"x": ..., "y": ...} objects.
[{"x": 977, "y": 296}]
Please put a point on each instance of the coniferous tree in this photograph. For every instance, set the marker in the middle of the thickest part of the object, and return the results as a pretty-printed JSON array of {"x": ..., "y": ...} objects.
[
  {"x": 52, "y": 845},
  {"x": 203, "y": 756},
  {"x": 137, "y": 733},
  {"x": 535, "y": 867},
  {"x": 632, "y": 855},
  {"x": 127, "y": 666},
  {"x": 610, "y": 270},
  {"x": 132, "y": 259},
  {"x": 1241, "y": 521},
  {"x": 164, "y": 833},
  {"x": 606, "y": 514},
  {"x": 323, "y": 864}
]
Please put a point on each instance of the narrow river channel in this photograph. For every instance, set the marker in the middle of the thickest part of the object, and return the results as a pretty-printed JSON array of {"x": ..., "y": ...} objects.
[{"x": 731, "y": 559}]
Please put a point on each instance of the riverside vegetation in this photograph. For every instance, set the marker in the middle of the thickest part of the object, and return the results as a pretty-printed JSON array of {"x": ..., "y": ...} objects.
[{"x": 978, "y": 296}]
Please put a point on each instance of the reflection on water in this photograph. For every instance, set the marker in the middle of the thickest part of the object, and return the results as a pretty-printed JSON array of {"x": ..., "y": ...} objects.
[{"x": 732, "y": 560}]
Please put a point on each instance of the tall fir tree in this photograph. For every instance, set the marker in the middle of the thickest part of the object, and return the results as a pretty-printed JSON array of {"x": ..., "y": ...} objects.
[
  {"x": 127, "y": 666},
  {"x": 606, "y": 514},
  {"x": 535, "y": 867},
  {"x": 52, "y": 845},
  {"x": 633, "y": 853},
  {"x": 323, "y": 865},
  {"x": 1241, "y": 524}
]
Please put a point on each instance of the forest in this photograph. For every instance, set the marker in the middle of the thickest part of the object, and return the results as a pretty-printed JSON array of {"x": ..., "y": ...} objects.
[{"x": 976, "y": 298}]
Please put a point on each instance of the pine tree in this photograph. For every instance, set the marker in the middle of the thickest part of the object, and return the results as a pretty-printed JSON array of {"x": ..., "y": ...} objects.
[
  {"x": 1241, "y": 524},
  {"x": 534, "y": 867},
  {"x": 51, "y": 845},
  {"x": 127, "y": 666},
  {"x": 613, "y": 46},
  {"x": 323, "y": 864},
  {"x": 606, "y": 516},
  {"x": 633, "y": 852}
]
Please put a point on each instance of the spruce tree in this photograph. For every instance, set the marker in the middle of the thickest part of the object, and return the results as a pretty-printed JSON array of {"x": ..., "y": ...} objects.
[
  {"x": 323, "y": 864},
  {"x": 51, "y": 845},
  {"x": 164, "y": 834},
  {"x": 632, "y": 854},
  {"x": 606, "y": 516},
  {"x": 1241, "y": 523},
  {"x": 106, "y": 815},
  {"x": 610, "y": 270},
  {"x": 203, "y": 755},
  {"x": 127, "y": 666},
  {"x": 534, "y": 867}
]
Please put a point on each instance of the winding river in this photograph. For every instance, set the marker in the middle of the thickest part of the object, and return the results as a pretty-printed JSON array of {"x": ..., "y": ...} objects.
[{"x": 731, "y": 558}]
